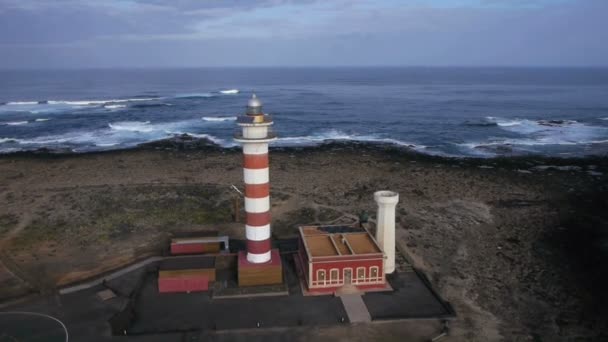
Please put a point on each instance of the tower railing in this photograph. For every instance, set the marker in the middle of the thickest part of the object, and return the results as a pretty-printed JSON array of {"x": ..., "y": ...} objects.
[
  {"x": 238, "y": 134},
  {"x": 244, "y": 119}
]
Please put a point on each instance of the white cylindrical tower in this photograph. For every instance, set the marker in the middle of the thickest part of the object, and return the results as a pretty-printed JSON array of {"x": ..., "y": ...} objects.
[
  {"x": 255, "y": 138},
  {"x": 385, "y": 226}
]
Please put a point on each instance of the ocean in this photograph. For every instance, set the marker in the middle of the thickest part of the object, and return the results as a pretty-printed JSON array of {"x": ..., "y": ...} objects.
[{"x": 461, "y": 112}]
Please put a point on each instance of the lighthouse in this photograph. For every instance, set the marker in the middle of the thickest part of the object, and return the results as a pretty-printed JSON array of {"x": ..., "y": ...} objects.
[{"x": 261, "y": 264}]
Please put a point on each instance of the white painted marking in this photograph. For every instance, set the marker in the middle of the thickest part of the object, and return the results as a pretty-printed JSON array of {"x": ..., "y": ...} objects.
[
  {"x": 257, "y": 233},
  {"x": 257, "y": 205},
  {"x": 256, "y": 176},
  {"x": 258, "y": 132},
  {"x": 258, "y": 258},
  {"x": 255, "y": 148},
  {"x": 65, "y": 329}
]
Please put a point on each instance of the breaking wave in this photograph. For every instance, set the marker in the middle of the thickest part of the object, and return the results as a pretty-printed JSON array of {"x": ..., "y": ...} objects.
[
  {"x": 336, "y": 135},
  {"x": 114, "y": 106},
  {"x": 480, "y": 123},
  {"x": 150, "y": 105},
  {"x": 214, "y": 139},
  {"x": 229, "y": 91},
  {"x": 194, "y": 95},
  {"x": 15, "y": 123},
  {"x": 102, "y": 102},
  {"x": 42, "y": 119},
  {"x": 20, "y": 103},
  {"x": 47, "y": 106},
  {"x": 539, "y": 133},
  {"x": 551, "y": 132},
  {"x": 218, "y": 118},
  {"x": 132, "y": 126}
]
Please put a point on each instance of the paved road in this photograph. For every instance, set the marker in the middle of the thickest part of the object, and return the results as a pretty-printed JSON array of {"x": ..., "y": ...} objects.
[{"x": 355, "y": 308}]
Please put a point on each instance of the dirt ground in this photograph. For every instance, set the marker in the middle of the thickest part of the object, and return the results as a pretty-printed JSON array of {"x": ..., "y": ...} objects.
[{"x": 518, "y": 246}]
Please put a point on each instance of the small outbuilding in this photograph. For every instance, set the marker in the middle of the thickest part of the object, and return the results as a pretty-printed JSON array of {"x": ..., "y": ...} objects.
[
  {"x": 186, "y": 274},
  {"x": 330, "y": 257}
]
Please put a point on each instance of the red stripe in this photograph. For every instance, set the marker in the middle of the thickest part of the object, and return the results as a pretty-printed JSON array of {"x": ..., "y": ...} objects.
[
  {"x": 258, "y": 247},
  {"x": 258, "y": 219},
  {"x": 255, "y": 161},
  {"x": 257, "y": 190}
]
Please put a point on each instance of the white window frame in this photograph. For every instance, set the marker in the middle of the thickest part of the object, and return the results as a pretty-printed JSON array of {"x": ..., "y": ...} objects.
[
  {"x": 337, "y": 280},
  {"x": 344, "y": 275},
  {"x": 361, "y": 279},
  {"x": 324, "y": 280},
  {"x": 378, "y": 277}
]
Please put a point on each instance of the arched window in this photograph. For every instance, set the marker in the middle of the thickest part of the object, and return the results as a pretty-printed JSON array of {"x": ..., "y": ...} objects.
[
  {"x": 333, "y": 276},
  {"x": 373, "y": 273},
  {"x": 360, "y": 274},
  {"x": 348, "y": 275},
  {"x": 321, "y": 277}
]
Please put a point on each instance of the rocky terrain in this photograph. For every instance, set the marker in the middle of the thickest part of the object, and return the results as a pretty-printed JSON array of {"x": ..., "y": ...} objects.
[{"x": 518, "y": 246}]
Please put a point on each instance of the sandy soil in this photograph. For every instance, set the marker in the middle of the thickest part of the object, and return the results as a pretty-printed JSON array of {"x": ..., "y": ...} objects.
[{"x": 517, "y": 246}]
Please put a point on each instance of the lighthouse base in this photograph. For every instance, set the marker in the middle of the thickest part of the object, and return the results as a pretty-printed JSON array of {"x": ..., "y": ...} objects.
[{"x": 267, "y": 273}]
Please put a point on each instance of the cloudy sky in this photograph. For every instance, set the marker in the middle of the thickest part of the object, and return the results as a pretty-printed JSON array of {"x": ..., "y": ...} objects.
[{"x": 185, "y": 33}]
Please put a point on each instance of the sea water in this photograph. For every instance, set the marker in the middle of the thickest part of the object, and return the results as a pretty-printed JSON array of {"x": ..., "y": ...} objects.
[{"x": 478, "y": 112}]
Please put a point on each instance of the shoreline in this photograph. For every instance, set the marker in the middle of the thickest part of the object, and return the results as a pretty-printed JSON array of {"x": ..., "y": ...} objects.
[{"x": 187, "y": 143}]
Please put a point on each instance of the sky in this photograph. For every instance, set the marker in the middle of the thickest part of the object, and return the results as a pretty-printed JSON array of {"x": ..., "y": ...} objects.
[{"x": 211, "y": 33}]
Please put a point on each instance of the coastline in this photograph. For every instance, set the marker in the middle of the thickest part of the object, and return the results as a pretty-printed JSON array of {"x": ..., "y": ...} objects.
[
  {"x": 515, "y": 243},
  {"x": 185, "y": 142}
]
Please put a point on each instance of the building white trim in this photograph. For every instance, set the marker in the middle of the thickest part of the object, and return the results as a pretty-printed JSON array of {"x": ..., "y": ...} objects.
[
  {"x": 337, "y": 280},
  {"x": 321, "y": 274},
  {"x": 357, "y": 275},
  {"x": 344, "y": 274}
]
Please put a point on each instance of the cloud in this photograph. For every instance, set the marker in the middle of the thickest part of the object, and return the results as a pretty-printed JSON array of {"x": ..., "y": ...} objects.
[{"x": 65, "y": 33}]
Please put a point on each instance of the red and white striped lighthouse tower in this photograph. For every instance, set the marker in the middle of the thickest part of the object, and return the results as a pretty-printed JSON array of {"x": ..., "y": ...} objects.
[{"x": 255, "y": 137}]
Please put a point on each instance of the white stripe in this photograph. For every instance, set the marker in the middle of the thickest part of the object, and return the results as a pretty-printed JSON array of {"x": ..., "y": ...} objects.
[
  {"x": 257, "y": 233},
  {"x": 258, "y": 258},
  {"x": 65, "y": 329},
  {"x": 255, "y": 148},
  {"x": 259, "y": 132},
  {"x": 257, "y": 205},
  {"x": 256, "y": 176}
]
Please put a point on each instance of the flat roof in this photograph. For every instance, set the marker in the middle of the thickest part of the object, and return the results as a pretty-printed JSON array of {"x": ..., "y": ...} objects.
[
  {"x": 208, "y": 239},
  {"x": 322, "y": 241},
  {"x": 187, "y": 263}
]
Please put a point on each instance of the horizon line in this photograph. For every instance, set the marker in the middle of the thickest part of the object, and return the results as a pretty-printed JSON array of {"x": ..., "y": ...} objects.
[{"x": 305, "y": 67}]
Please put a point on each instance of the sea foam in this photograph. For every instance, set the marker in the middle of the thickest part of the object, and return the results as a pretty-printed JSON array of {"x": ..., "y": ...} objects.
[
  {"x": 114, "y": 106},
  {"x": 15, "y": 123},
  {"x": 337, "y": 135},
  {"x": 538, "y": 133},
  {"x": 229, "y": 91},
  {"x": 132, "y": 126},
  {"x": 194, "y": 95},
  {"x": 218, "y": 118}
]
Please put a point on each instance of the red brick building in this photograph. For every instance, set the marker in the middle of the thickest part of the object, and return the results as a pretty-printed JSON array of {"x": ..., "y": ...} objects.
[{"x": 330, "y": 257}]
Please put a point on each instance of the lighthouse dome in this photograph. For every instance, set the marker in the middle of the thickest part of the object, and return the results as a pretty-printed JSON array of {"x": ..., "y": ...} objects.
[
  {"x": 254, "y": 102},
  {"x": 254, "y": 106}
]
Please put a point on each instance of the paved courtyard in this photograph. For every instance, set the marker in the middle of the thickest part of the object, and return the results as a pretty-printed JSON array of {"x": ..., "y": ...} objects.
[{"x": 182, "y": 312}]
